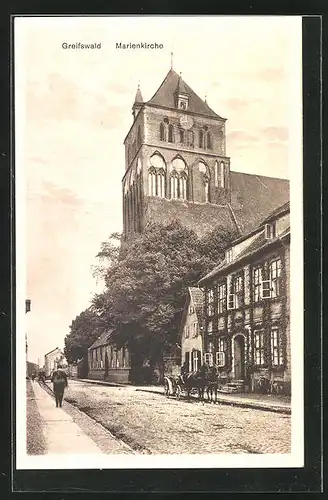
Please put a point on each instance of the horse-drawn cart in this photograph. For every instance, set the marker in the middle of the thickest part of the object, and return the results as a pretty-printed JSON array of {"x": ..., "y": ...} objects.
[{"x": 193, "y": 383}]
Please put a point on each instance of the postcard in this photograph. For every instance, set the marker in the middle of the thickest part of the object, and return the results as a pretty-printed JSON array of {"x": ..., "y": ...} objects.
[{"x": 159, "y": 242}]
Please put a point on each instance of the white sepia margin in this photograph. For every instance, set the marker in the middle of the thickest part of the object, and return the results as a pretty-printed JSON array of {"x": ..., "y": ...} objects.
[{"x": 296, "y": 457}]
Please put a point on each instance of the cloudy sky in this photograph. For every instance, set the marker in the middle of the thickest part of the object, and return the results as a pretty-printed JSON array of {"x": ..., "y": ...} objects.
[{"x": 74, "y": 110}]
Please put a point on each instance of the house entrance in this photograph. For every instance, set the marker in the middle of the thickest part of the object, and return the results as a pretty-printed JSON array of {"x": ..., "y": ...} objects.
[{"x": 239, "y": 357}]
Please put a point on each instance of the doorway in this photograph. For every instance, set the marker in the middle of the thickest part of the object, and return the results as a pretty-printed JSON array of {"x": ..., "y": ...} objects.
[{"x": 239, "y": 357}]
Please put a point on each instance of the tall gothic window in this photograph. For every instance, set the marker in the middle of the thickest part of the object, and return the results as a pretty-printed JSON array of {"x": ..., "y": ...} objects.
[
  {"x": 216, "y": 174},
  {"x": 182, "y": 136},
  {"x": 170, "y": 133},
  {"x": 183, "y": 186},
  {"x": 157, "y": 175},
  {"x": 204, "y": 170},
  {"x": 161, "y": 132},
  {"x": 207, "y": 189},
  {"x": 222, "y": 181},
  {"x": 139, "y": 136},
  {"x": 201, "y": 139},
  {"x": 160, "y": 191},
  {"x": 190, "y": 138},
  {"x": 174, "y": 185},
  {"x": 179, "y": 178},
  {"x": 209, "y": 141},
  {"x": 152, "y": 181}
]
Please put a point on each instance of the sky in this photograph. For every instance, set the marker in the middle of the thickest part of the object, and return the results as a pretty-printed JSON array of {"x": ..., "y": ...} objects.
[{"x": 74, "y": 111}]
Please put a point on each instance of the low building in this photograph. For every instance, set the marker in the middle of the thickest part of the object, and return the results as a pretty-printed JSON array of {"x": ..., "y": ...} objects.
[
  {"x": 106, "y": 362},
  {"x": 192, "y": 329},
  {"x": 247, "y": 307},
  {"x": 78, "y": 369},
  {"x": 54, "y": 358}
]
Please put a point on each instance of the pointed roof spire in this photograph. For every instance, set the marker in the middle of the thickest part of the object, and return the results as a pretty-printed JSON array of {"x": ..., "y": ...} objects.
[
  {"x": 171, "y": 60},
  {"x": 138, "y": 97},
  {"x": 205, "y": 98}
]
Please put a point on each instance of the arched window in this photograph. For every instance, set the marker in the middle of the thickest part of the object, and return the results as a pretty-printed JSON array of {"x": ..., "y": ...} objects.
[
  {"x": 171, "y": 133},
  {"x": 183, "y": 186},
  {"x": 162, "y": 132},
  {"x": 174, "y": 186},
  {"x": 179, "y": 177},
  {"x": 216, "y": 174},
  {"x": 139, "y": 136},
  {"x": 201, "y": 139},
  {"x": 161, "y": 183},
  {"x": 209, "y": 141},
  {"x": 181, "y": 132},
  {"x": 222, "y": 182},
  {"x": 152, "y": 182},
  {"x": 158, "y": 171}
]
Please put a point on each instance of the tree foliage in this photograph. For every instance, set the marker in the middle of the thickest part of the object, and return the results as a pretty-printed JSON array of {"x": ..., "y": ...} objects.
[
  {"x": 145, "y": 288},
  {"x": 84, "y": 330},
  {"x": 145, "y": 281}
]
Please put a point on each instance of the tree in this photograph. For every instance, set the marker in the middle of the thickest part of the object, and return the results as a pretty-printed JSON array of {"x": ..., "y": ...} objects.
[
  {"x": 84, "y": 330},
  {"x": 145, "y": 287}
]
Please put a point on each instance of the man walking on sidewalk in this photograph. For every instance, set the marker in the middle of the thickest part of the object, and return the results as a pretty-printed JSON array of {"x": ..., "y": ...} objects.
[{"x": 59, "y": 380}]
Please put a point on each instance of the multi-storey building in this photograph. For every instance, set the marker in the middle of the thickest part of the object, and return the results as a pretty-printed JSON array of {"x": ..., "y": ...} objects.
[
  {"x": 176, "y": 167},
  {"x": 247, "y": 306},
  {"x": 192, "y": 329}
]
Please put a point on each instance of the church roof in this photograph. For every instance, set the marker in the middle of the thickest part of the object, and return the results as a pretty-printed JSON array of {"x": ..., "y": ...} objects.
[
  {"x": 165, "y": 95},
  {"x": 255, "y": 197}
]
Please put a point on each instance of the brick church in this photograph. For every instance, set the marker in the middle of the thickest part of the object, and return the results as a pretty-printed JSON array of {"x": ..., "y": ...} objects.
[{"x": 176, "y": 167}]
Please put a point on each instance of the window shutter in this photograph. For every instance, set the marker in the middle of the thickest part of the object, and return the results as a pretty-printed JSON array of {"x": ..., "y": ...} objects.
[{"x": 266, "y": 289}]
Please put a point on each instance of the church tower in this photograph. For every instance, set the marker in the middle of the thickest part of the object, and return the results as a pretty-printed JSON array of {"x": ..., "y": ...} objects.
[{"x": 175, "y": 161}]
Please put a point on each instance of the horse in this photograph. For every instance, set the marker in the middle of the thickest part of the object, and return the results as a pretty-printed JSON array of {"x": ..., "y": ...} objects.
[
  {"x": 190, "y": 381},
  {"x": 212, "y": 384}
]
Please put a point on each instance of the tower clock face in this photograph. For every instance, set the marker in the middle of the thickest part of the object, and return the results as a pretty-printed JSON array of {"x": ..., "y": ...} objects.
[{"x": 186, "y": 122}]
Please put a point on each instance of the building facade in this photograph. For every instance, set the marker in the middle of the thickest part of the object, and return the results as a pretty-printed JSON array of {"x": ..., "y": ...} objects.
[
  {"x": 247, "y": 308},
  {"x": 177, "y": 168},
  {"x": 192, "y": 328},
  {"x": 106, "y": 362},
  {"x": 52, "y": 359}
]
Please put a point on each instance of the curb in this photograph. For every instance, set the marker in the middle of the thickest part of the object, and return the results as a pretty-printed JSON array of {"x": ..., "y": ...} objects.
[{"x": 240, "y": 404}]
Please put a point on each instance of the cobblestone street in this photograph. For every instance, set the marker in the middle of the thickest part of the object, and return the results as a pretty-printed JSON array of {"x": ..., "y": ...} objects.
[{"x": 151, "y": 423}]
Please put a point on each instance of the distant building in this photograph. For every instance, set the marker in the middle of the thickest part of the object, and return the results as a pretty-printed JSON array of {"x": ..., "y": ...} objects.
[
  {"x": 32, "y": 368},
  {"x": 247, "y": 307},
  {"x": 106, "y": 362},
  {"x": 192, "y": 329},
  {"x": 52, "y": 359}
]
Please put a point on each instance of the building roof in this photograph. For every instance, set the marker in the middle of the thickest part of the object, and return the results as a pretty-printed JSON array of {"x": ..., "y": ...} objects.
[
  {"x": 197, "y": 296},
  {"x": 53, "y": 350},
  {"x": 285, "y": 208},
  {"x": 165, "y": 95},
  {"x": 259, "y": 243},
  {"x": 103, "y": 339},
  {"x": 255, "y": 197}
]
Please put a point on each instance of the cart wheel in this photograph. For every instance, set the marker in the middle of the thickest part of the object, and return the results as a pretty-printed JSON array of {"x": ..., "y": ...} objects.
[{"x": 178, "y": 392}]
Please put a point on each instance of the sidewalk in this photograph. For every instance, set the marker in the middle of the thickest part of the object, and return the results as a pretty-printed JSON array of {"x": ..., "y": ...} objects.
[{"x": 62, "y": 434}]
